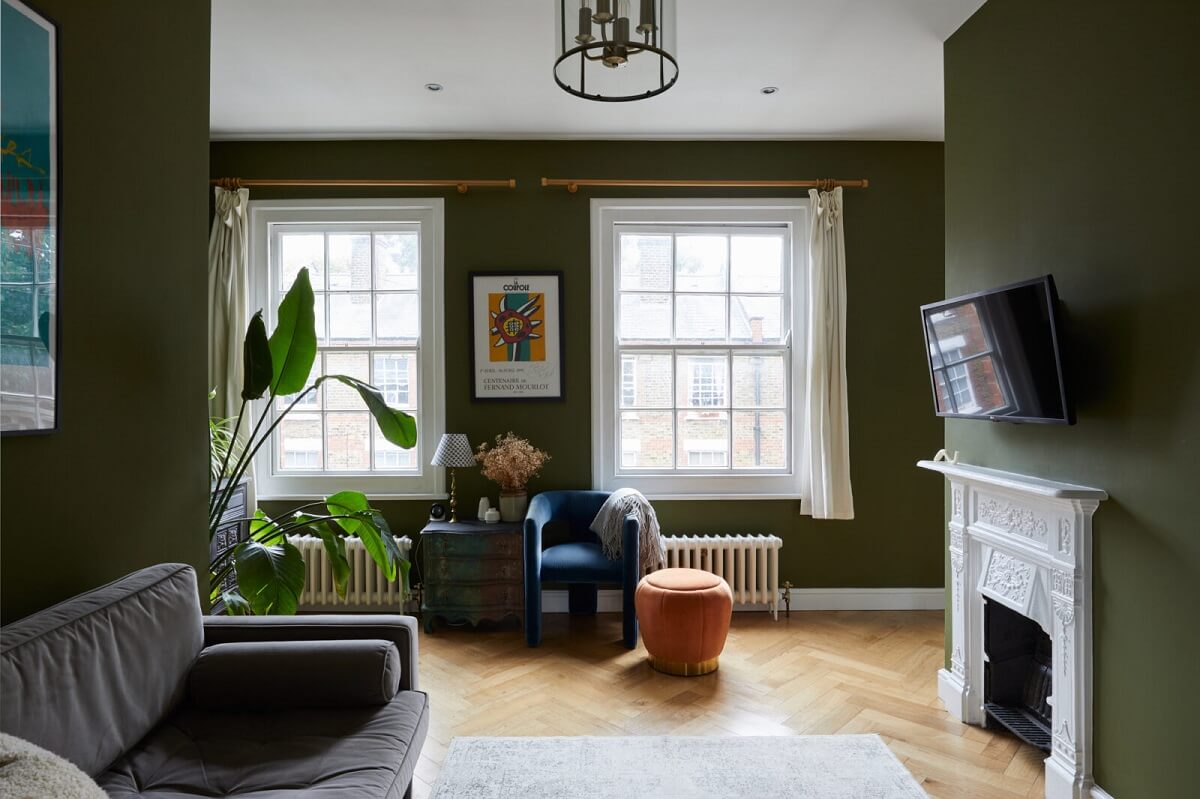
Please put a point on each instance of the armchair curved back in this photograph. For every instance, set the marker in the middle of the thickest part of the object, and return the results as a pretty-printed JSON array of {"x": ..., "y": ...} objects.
[{"x": 575, "y": 508}]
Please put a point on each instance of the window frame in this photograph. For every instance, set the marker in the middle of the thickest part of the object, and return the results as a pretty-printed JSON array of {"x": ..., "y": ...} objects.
[
  {"x": 426, "y": 482},
  {"x": 607, "y": 216}
]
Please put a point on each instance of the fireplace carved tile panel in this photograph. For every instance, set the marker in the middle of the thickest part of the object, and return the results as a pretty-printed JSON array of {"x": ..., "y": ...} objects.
[{"x": 1024, "y": 543}]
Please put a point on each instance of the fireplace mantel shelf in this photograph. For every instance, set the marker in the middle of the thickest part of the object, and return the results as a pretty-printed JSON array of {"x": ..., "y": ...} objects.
[{"x": 1015, "y": 482}]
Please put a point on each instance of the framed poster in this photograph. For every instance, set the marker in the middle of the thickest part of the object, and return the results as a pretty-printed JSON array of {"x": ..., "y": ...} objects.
[
  {"x": 516, "y": 335},
  {"x": 29, "y": 193}
]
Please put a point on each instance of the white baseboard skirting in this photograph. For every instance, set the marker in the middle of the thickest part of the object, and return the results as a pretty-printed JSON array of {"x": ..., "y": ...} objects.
[
  {"x": 1100, "y": 793},
  {"x": 555, "y": 600}
]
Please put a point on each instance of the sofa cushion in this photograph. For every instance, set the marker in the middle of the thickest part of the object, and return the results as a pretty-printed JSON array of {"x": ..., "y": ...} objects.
[
  {"x": 579, "y": 562},
  {"x": 283, "y": 674},
  {"x": 351, "y": 752},
  {"x": 89, "y": 677}
]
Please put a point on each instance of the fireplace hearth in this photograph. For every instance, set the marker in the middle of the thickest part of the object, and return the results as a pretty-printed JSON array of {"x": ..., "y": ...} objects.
[{"x": 1018, "y": 674}]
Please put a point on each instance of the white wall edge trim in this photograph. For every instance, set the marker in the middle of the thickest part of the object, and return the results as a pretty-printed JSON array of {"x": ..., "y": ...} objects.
[
  {"x": 555, "y": 600},
  {"x": 1100, "y": 793}
]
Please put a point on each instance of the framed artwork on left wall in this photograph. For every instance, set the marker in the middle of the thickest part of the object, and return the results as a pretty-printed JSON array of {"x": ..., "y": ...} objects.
[
  {"x": 29, "y": 221},
  {"x": 517, "y": 335}
]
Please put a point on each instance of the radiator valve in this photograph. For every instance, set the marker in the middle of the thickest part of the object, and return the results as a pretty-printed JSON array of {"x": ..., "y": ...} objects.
[{"x": 786, "y": 595}]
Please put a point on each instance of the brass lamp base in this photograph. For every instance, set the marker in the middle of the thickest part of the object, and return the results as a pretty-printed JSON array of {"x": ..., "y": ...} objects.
[{"x": 684, "y": 669}]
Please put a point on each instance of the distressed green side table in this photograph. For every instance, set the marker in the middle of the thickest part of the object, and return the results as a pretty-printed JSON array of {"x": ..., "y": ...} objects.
[{"x": 472, "y": 571}]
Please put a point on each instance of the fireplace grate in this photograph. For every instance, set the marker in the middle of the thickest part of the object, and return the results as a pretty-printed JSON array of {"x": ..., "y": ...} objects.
[{"x": 1021, "y": 723}]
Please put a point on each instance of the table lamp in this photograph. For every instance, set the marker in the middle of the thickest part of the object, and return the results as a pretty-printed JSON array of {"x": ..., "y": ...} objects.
[{"x": 453, "y": 452}]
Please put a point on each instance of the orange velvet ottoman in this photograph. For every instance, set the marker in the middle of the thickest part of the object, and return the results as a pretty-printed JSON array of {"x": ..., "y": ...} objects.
[{"x": 684, "y": 617}]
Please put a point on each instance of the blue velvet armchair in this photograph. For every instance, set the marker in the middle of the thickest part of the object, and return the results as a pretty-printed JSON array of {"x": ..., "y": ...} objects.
[{"x": 580, "y": 562}]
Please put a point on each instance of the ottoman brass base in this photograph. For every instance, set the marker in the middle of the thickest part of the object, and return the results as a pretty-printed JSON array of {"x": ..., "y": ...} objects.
[{"x": 684, "y": 669}]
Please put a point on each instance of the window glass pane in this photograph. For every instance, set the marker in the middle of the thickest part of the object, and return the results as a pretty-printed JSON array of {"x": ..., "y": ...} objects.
[
  {"x": 645, "y": 317},
  {"x": 943, "y": 395},
  {"x": 397, "y": 261},
  {"x": 756, "y": 320},
  {"x": 646, "y": 380},
  {"x": 43, "y": 254},
  {"x": 703, "y": 439},
  {"x": 759, "y": 439},
  {"x": 298, "y": 250},
  {"x": 699, "y": 317},
  {"x": 645, "y": 263},
  {"x": 397, "y": 318},
  {"x": 701, "y": 263},
  {"x": 339, "y": 396},
  {"x": 759, "y": 381},
  {"x": 702, "y": 381},
  {"x": 17, "y": 263},
  {"x": 299, "y": 442},
  {"x": 646, "y": 439},
  {"x": 389, "y": 456},
  {"x": 347, "y": 440},
  {"x": 17, "y": 302},
  {"x": 349, "y": 318},
  {"x": 349, "y": 261},
  {"x": 395, "y": 375},
  {"x": 757, "y": 263},
  {"x": 311, "y": 401}
]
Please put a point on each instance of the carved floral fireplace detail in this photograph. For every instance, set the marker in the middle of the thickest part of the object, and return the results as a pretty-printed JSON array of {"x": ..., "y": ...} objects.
[{"x": 1025, "y": 543}]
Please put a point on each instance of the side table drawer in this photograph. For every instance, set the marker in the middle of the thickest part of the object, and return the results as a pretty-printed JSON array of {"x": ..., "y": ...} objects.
[
  {"x": 473, "y": 570},
  {"x": 474, "y": 546},
  {"x": 476, "y": 596}
]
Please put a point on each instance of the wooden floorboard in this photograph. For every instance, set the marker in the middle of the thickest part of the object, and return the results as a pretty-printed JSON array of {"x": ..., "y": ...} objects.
[{"x": 814, "y": 673}]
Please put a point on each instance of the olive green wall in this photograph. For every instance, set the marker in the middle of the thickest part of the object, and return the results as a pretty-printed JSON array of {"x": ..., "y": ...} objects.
[
  {"x": 1071, "y": 149},
  {"x": 894, "y": 253},
  {"x": 122, "y": 484}
]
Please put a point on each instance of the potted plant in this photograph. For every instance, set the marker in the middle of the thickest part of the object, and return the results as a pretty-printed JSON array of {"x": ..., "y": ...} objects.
[
  {"x": 270, "y": 571},
  {"x": 511, "y": 463}
]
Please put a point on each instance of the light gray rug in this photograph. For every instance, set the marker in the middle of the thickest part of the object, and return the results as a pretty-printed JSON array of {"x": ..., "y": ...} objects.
[{"x": 665, "y": 767}]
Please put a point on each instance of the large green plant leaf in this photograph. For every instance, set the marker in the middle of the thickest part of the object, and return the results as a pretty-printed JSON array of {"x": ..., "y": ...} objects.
[
  {"x": 270, "y": 577},
  {"x": 235, "y": 604},
  {"x": 294, "y": 342},
  {"x": 362, "y": 525},
  {"x": 256, "y": 360},
  {"x": 397, "y": 426}
]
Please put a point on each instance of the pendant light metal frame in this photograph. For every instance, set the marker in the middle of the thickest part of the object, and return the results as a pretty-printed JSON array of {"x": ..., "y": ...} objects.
[{"x": 584, "y": 52}]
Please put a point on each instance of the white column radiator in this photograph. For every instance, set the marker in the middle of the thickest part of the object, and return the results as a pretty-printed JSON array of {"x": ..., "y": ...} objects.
[
  {"x": 366, "y": 589},
  {"x": 749, "y": 563}
]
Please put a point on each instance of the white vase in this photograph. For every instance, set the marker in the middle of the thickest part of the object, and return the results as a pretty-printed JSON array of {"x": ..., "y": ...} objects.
[{"x": 512, "y": 505}]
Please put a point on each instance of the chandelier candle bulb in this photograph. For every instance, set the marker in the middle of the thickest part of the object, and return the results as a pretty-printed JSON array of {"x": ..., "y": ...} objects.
[
  {"x": 647, "y": 17},
  {"x": 585, "y": 26}
]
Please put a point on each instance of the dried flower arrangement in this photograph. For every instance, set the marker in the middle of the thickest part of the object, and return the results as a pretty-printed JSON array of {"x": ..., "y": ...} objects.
[{"x": 512, "y": 462}]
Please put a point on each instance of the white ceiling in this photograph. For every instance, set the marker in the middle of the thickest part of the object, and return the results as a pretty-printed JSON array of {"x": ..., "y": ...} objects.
[{"x": 846, "y": 69}]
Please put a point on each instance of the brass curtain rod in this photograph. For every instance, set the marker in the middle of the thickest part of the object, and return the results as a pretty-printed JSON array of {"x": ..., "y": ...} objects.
[
  {"x": 460, "y": 185},
  {"x": 825, "y": 184}
]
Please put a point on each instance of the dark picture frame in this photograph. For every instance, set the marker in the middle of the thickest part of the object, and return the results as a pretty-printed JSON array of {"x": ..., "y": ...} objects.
[
  {"x": 523, "y": 359},
  {"x": 30, "y": 221}
]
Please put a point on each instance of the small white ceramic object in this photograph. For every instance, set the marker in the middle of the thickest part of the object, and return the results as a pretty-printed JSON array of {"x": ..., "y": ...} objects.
[
  {"x": 492, "y": 516},
  {"x": 485, "y": 505}
]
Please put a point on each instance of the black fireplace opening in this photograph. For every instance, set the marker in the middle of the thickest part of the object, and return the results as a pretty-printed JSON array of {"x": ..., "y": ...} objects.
[{"x": 1017, "y": 674}]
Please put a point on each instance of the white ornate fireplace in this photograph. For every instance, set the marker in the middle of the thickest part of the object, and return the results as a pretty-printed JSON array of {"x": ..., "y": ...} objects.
[{"x": 1025, "y": 543}]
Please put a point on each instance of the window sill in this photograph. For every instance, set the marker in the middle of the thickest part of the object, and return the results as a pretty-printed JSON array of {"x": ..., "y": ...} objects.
[
  {"x": 719, "y": 497},
  {"x": 370, "y": 495}
]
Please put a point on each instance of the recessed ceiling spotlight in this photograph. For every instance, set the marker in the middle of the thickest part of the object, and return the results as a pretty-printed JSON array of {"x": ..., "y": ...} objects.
[
  {"x": 769, "y": 89},
  {"x": 433, "y": 87}
]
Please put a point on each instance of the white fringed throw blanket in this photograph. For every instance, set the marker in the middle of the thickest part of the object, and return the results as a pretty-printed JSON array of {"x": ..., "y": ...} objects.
[{"x": 610, "y": 520}]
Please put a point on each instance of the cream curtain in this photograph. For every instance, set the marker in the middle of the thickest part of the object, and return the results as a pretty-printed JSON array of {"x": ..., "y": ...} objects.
[
  {"x": 825, "y": 451},
  {"x": 228, "y": 300}
]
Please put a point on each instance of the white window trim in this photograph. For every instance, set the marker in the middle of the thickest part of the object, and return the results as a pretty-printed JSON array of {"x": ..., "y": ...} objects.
[
  {"x": 606, "y": 214},
  {"x": 428, "y": 482}
]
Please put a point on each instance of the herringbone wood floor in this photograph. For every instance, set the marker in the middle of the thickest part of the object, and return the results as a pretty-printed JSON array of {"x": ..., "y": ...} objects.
[{"x": 815, "y": 673}]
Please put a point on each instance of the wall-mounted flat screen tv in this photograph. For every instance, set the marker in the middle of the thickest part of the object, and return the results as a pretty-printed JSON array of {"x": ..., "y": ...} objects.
[{"x": 995, "y": 355}]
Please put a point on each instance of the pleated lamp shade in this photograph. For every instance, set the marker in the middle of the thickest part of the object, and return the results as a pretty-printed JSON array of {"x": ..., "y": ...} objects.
[{"x": 454, "y": 451}]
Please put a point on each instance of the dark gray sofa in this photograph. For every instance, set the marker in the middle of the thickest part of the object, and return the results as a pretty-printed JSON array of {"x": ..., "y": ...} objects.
[{"x": 132, "y": 684}]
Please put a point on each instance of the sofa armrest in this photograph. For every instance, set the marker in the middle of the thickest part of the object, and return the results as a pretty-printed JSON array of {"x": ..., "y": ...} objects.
[{"x": 400, "y": 630}]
